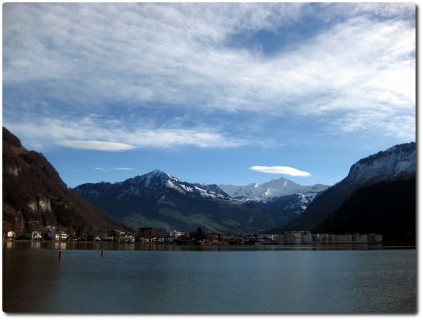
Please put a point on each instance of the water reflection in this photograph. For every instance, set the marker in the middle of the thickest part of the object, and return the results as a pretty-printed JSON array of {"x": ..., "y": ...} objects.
[
  {"x": 264, "y": 279},
  {"x": 35, "y": 245},
  {"x": 9, "y": 244},
  {"x": 87, "y": 245}
]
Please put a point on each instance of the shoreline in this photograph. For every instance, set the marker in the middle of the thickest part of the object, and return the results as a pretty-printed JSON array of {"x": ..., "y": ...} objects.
[{"x": 57, "y": 243}]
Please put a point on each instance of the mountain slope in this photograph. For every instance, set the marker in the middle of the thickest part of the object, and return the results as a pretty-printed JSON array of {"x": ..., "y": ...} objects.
[
  {"x": 396, "y": 163},
  {"x": 34, "y": 196},
  {"x": 387, "y": 207},
  {"x": 161, "y": 200}
]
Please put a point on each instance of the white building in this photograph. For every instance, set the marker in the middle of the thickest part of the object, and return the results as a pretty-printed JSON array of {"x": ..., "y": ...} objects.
[
  {"x": 361, "y": 238},
  {"x": 307, "y": 237}
]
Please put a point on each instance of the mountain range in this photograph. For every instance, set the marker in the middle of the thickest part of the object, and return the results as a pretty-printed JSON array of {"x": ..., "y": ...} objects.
[
  {"x": 161, "y": 200},
  {"x": 158, "y": 199},
  {"x": 377, "y": 195},
  {"x": 270, "y": 190}
]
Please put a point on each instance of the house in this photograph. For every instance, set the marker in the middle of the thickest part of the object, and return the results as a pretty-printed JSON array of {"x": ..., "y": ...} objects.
[
  {"x": 307, "y": 237},
  {"x": 52, "y": 235},
  {"x": 267, "y": 238},
  {"x": 106, "y": 237},
  {"x": 36, "y": 235},
  {"x": 344, "y": 238},
  {"x": 359, "y": 238},
  {"x": 374, "y": 238},
  {"x": 11, "y": 235},
  {"x": 176, "y": 234},
  {"x": 293, "y": 237},
  {"x": 63, "y": 236}
]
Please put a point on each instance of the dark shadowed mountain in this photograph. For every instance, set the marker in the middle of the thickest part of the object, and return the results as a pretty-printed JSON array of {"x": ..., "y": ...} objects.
[
  {"x": 388, "y": 208},
  {"x": 395, "y": 164},
  {"x": 35, "y": 197}
]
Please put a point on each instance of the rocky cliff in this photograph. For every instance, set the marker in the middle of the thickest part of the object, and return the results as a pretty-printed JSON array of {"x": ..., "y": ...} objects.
[{"x": 36, "y": 199}]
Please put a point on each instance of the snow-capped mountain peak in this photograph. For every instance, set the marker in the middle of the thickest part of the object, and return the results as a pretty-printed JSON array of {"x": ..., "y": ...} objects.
[
  {"x": 157, "y": 182},
  {"x": 157, "y": 185},
  {"x": 268, "y": 190},
  {"x": 157, "y": 176}
]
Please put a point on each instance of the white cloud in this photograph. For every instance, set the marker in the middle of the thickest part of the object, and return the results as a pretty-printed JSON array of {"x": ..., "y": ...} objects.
[
  {"x": 403, "y": 128},
  {"x": 281, "y": 170},
  {"x": 139, "y": 53},
  {"x": 129, "y": 56},
  {"x": 166, "y": 138},
  {"x": 94, "y": 145},
  {"x": 103, "y": 134}
]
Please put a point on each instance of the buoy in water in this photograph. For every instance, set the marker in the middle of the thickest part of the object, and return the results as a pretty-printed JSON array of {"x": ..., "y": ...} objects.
[
  {"x": 102, "y": 252},
  {"x": 60, "y": 255}
]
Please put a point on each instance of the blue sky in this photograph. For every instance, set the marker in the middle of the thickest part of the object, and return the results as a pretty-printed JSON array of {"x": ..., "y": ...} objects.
[{"x": 228, "y": 93}]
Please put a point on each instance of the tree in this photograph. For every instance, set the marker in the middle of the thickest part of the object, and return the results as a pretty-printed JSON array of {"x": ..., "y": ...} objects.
[{"x": 199, "y": 234}]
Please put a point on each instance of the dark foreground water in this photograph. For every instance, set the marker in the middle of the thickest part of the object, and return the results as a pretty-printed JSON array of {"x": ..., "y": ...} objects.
[{"x": 256, "y": 279}]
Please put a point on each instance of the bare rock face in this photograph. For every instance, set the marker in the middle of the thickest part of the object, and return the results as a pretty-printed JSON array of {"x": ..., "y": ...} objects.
[
  {"x": 36, "y": 198},
  {"x": 396, "y": 162}
]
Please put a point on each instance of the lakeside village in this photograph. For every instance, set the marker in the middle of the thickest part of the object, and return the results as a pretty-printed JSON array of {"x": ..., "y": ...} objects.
[{"x": 150, "y": 235}]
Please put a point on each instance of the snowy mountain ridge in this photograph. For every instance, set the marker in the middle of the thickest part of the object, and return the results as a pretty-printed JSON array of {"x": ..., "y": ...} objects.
[
  {"x": 272, "y": 189},
  {"x": 155, "y": 182},
  {"x": 397, "y": 161}
]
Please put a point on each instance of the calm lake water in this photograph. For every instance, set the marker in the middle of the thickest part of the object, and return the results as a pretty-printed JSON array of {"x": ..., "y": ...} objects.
[{"x": 171, "y": 279}]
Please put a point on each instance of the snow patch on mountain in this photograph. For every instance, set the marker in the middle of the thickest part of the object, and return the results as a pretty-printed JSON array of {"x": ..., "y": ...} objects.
[
  {"x": 397, "y": 161},
  {"x": 158, "y": 179},
  {"x": 153, "y": 185},
  {"x": 269, "y": 190}
]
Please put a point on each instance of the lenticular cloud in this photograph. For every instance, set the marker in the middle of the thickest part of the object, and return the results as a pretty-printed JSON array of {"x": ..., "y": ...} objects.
[
  {"x": 95, "y": 145},
  {"x": 281, "y": 170}
]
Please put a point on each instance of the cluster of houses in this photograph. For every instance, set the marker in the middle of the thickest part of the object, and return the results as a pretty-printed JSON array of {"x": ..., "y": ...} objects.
[
  {"x": 113, "y": 235},
  {"x": 162, "y": 235}
]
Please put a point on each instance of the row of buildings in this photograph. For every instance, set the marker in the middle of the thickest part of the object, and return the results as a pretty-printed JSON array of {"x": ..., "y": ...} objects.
[
  {"x": 306, "y": 237},
  {"x": 162, "y": 235}
]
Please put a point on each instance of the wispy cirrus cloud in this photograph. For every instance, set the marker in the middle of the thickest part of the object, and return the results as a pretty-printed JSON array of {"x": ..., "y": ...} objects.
[
  {"x": 190, "y": 57},
  {"x": 281, "y": 170},
  {"x": 238, "y": 74},
  {"x": 94, "y": 145},
  {"x": 104, "y": 134}
]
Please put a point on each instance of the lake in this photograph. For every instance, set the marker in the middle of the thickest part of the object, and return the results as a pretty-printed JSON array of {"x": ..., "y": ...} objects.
[{"x": 134, "y": 278}]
